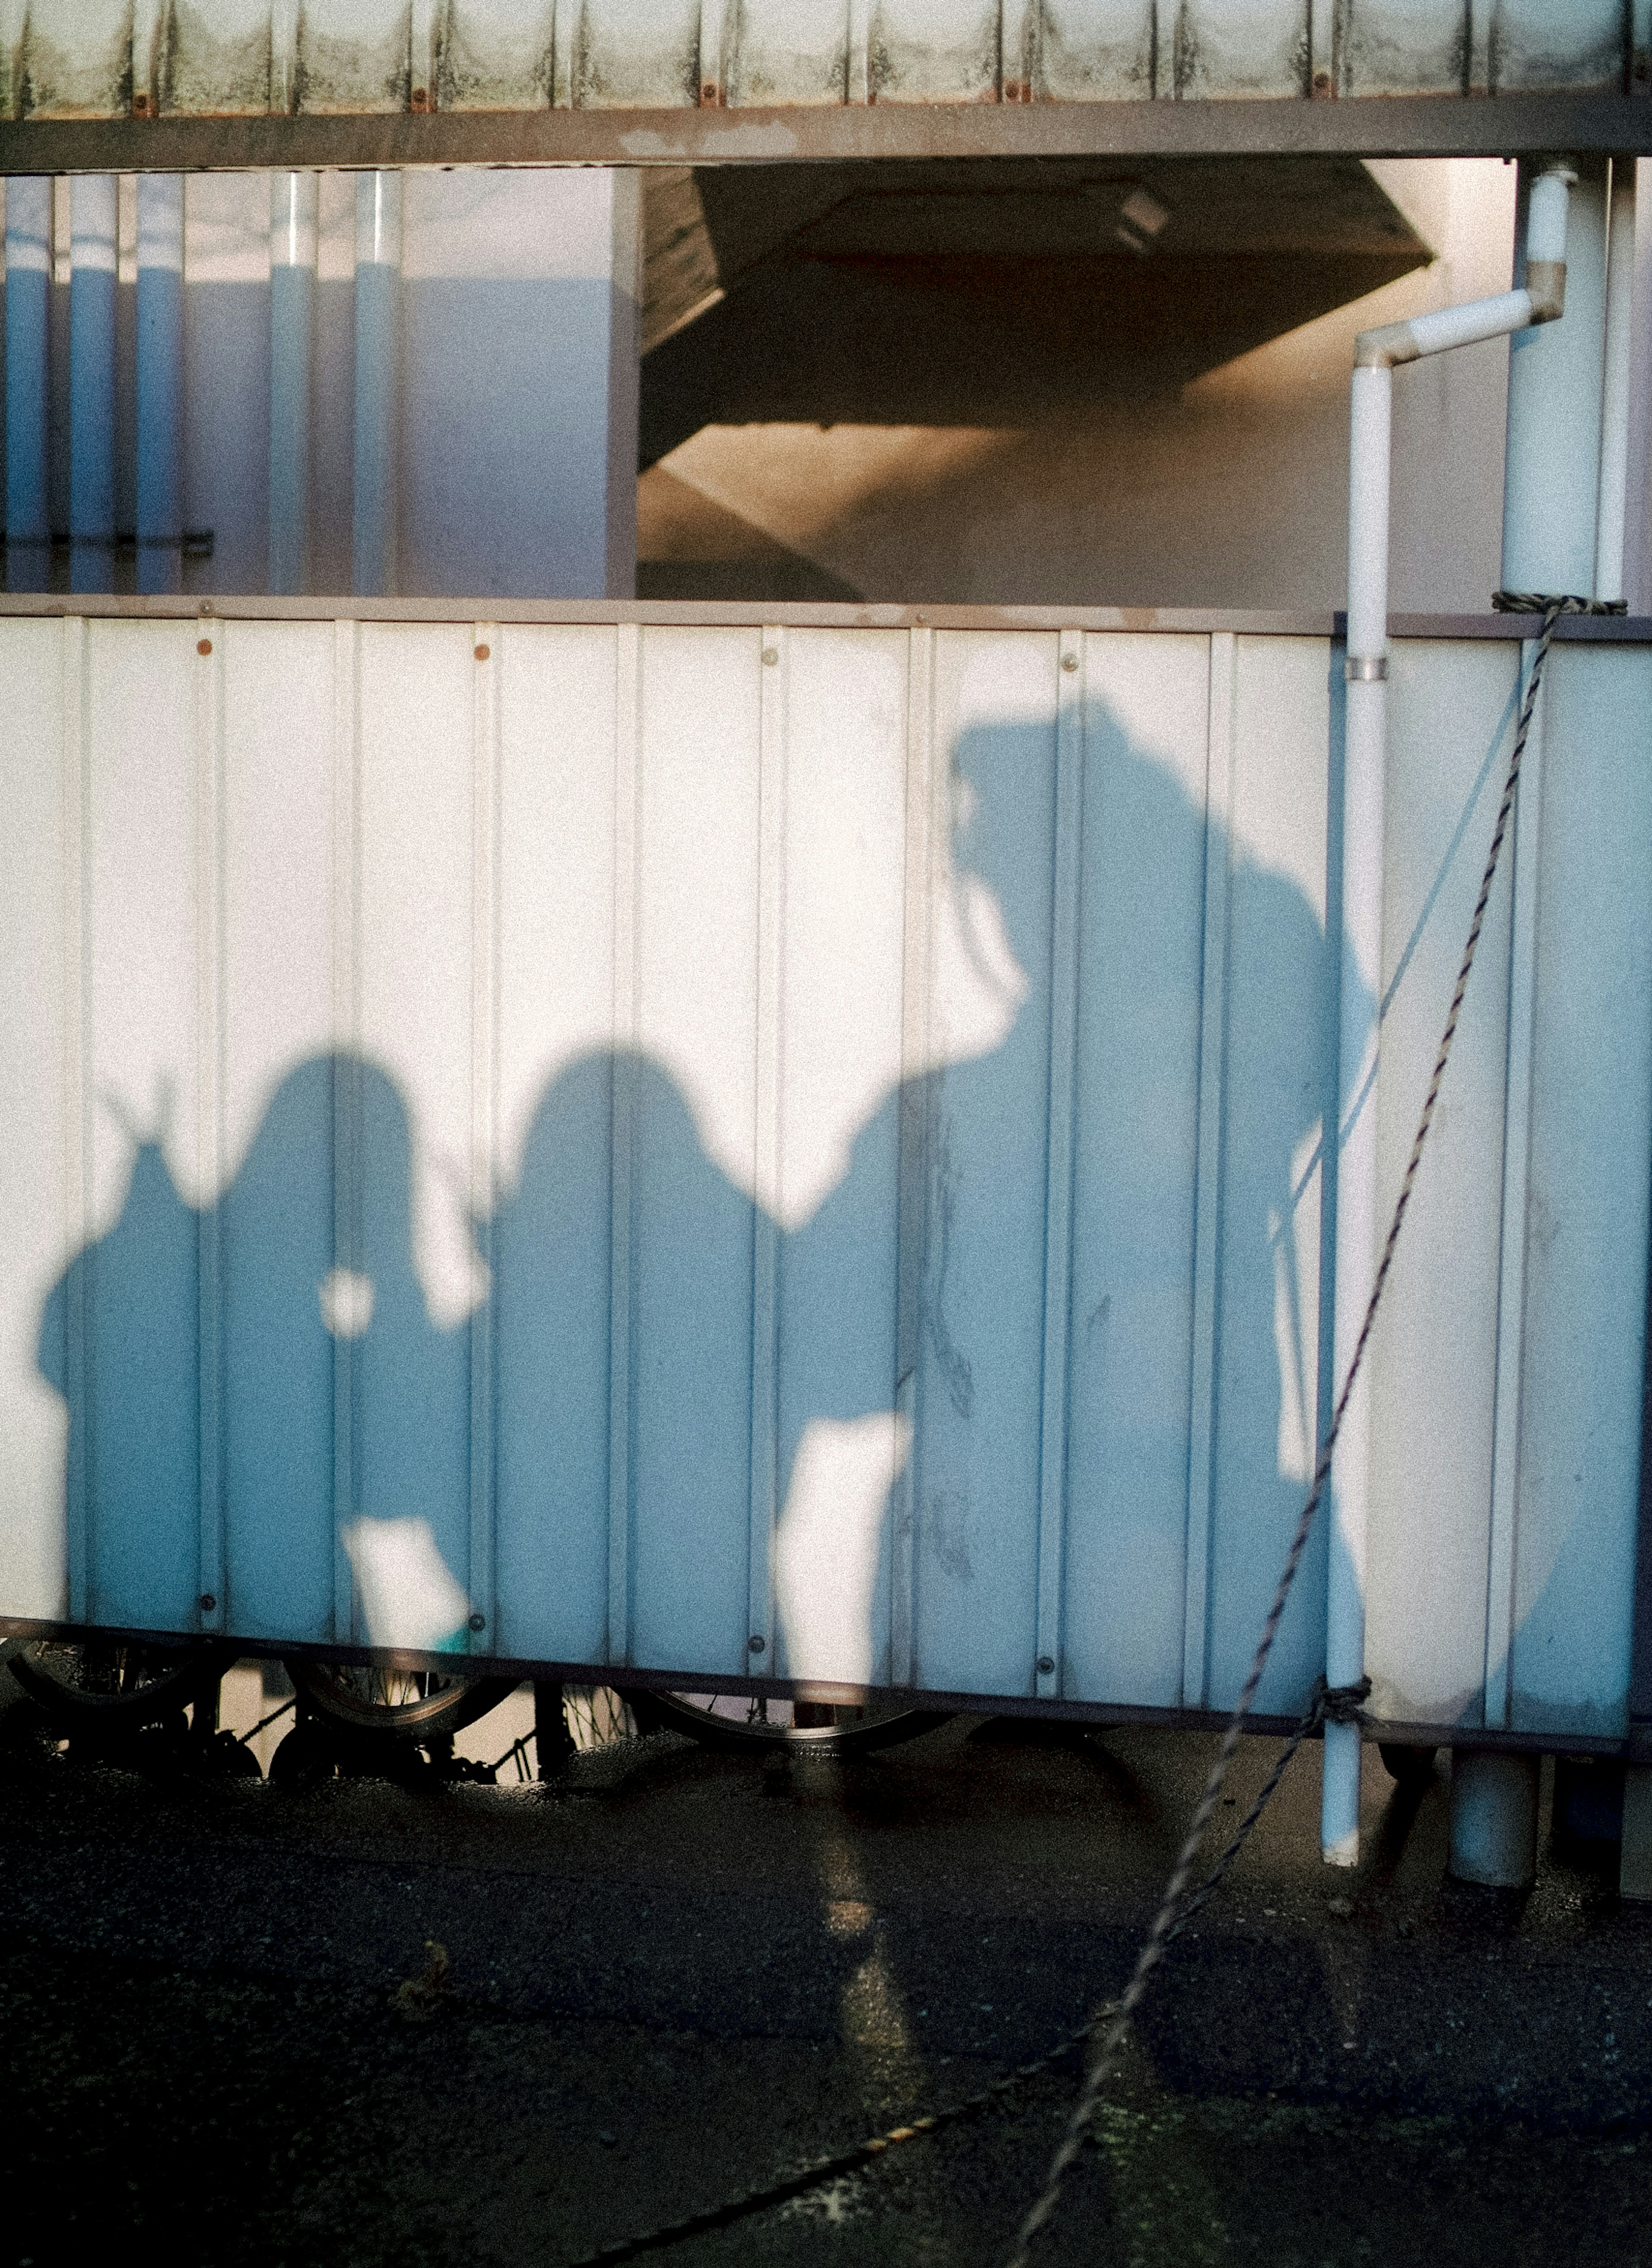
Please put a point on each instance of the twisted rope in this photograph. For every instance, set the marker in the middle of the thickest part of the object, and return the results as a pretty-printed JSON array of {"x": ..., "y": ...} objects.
[{"x": 1165, "y": 1921}]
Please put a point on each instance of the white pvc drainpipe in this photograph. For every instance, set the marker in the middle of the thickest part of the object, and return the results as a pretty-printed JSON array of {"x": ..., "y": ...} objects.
[{"x": 1375, "y": 353}]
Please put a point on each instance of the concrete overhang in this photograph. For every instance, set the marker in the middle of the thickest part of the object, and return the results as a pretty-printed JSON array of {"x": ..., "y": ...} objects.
[{"x": 952, "y": 293}]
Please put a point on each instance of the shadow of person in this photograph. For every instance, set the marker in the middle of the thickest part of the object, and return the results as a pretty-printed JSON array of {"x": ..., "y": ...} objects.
[
  {"x": 296, "y": 1262},
  {"x": 952, "y": 1551},
  {"x": 907, "y": 1417}
]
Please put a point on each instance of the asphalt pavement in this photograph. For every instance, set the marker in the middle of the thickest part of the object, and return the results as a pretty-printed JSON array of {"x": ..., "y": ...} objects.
[{"x": 674, "y": 1975}]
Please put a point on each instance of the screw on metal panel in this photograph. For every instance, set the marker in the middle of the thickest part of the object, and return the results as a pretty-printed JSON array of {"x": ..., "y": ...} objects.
[
  {"x": 478, "y": 1622},
  {"x": 482, "y": 652},
  {"x": 1069, "y": 661},
  {"x": 203, "y": 646},
  {"x": 770, "y": 655},
  {"x": 209, "y": 1604},
  {"x": 756, "y": 1644},
  {"x": 1046, "y": 1665}
]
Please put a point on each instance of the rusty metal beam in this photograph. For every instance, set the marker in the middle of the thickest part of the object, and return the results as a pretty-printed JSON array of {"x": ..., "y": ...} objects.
[{"x": 1423, "y": 126}]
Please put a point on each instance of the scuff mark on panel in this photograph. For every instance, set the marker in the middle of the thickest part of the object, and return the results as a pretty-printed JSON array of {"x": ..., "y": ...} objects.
[
  {"x": 948, "y": 1524},
  {"x": 953, "y": 1364}
]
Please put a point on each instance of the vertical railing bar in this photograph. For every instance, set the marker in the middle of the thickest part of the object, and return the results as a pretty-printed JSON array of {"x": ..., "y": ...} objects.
[
  {"x": 346, "y": 1089},
  {"x": 73, "y": 695},
  {"x": 919, "y": 883},
  {"x": 1502, "y": 1541},
  {"x": 627, "y": 851},
  {"x": 1212, "y": 1055},
  {"x": 768, "y": 1131},
  {"x": 484, "y": 1010},
  {"x": 212, "y": 1603},
  {"x": 1059, "y": 1154}
]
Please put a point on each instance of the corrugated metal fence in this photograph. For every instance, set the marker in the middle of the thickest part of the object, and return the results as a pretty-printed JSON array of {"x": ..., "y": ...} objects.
[{"x": 797, "y": 1149}]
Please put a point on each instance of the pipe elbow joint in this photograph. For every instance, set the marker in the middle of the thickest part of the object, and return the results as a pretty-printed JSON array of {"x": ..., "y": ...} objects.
[
  {"x": 1545, "y": 287},
  {"x": 1389, "y": 344}
]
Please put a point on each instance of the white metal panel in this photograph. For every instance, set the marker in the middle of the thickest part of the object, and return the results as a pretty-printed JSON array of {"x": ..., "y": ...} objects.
[
  {"x": 276, "y": 686},
  {"x": 933, "y": 50},
  {"x": 1097, "y": 50},
  {"x": 551, "y": 1230},
  {"x": 980, "y": 1384},
  {"x": 632, "y": 54},
  {"x": 1270, "y": 1381},
  {"x": 1583, "y": 1370},
  {"x": 693, "y": 1106},
  {"x": 1403, "y": 46},
  {"x": 414, "y": 1106},
  {"x": 837, "y": 1192},
  {"x": 795, "y": 55},
  {"x": 39, "y": 862},
  {"x": 1141, "y": 982},
  {"x": 1239, "y": 46},
  {"x": 491, "y": 54},
  {"x": 354, "y": 55},
  {"x": 146, "y": 1170},
  {"x": 1533, "y": 43},
  {"x": 1435, "y": 1356}
]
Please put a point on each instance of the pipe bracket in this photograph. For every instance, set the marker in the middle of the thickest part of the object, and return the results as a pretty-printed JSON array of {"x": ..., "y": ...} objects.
[{"x": 1365, "y": 668}]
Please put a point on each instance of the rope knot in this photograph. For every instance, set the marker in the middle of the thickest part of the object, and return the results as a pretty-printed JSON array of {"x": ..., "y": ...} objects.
[
  {"x": 1550, "y": 603},
  {"x": 1341, "y": 1704}
]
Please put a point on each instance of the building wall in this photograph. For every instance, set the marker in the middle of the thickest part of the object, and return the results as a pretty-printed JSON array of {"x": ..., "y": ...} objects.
[
  {"x": 517, "y": 443},
  {"x": 1229, "y": 489}
]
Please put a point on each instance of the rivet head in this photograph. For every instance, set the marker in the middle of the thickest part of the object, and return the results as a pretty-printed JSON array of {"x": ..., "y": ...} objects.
[
  {"x": 770, "y": 655},
  {"x": 478, "y": 1622},
  {"x": 1046, "y": 1665},
  {"x": 482, "y": 652},
  {"x": 756, "y": 1645},
  {"x": 209, "y": 1604},
  {"x": 203, "y": 646},
  {"x": 1069, "y": 661}
]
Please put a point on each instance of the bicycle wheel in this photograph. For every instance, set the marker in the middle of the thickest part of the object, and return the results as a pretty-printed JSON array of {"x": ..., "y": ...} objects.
[
  {"x": 748, "y": 1724},
  {"x": 100, "y": 1681},
  {"x": 419, "y": 1703}
]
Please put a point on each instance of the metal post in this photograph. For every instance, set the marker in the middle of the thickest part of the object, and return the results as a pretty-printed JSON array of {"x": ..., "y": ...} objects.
[
  {"x": 292, "y": 247},
  {"x": 1539, "y": 300},
  {"x": 1556, "y": 376},
  {"x": 1495, "y": 1818},
  {"x": 159, "y": 381},
  {"x": 1615, "y": 390},
  {"x": 92, "y": 247},
  {"x": 378, "y": 382},
  {"x": 1365, "y": 749},
  {"x": 27, "y": 405}
]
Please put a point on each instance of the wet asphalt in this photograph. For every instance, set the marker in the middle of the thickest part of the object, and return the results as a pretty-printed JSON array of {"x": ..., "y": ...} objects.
[{"x": 674, "y": 1975}]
